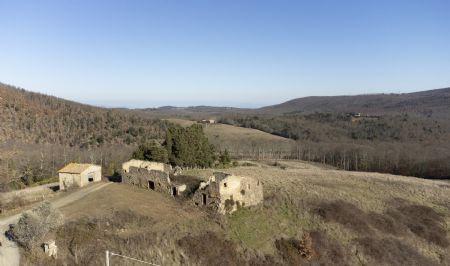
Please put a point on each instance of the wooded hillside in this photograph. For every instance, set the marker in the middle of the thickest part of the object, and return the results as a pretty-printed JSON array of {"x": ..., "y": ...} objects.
[
  {"x": 37, "y": 118},
  {"x": 40, "y": 133},
  {"x": 400, "y": 144},
  {"x": 429, "y": 103}
]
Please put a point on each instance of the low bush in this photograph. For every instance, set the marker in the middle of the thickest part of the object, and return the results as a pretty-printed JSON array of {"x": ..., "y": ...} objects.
[
  {"x": 389, "y": 251},
  {"x": 210, "y": 249},
  {"x": 315, "y": 248},
  {"x": 33, "y": 226},
  {"x": 422, "y": 221},
  {"x": 344, "y": 213}
]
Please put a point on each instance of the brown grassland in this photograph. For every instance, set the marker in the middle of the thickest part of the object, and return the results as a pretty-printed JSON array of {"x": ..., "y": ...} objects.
[
  {"x": 240, "y": 141},
  {"x": 311, "y": 215}
]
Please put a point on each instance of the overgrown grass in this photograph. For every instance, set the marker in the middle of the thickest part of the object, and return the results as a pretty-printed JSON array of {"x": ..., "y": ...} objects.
[{"x": 45, "y": 181}]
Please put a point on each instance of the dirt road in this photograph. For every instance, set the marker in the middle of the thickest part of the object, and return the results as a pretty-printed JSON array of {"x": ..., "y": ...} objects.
[{"x": 9, "y": 252}]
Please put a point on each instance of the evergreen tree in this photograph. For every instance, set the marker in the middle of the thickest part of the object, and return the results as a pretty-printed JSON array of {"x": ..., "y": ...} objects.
[
  {"x": 151, "y": 152},
  {"x": 189, "y": 147}
]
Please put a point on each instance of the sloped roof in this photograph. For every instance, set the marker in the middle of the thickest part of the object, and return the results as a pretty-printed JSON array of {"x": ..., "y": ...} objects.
[{"x": 75, "y": 168}]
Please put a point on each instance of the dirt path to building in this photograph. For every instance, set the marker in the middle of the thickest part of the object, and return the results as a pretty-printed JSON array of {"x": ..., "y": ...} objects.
[{"x": 9, "y": 252}]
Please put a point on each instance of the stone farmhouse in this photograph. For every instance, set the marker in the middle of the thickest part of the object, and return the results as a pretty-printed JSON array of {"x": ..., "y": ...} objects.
[
  {"x": 158, "y": 177},
  {"x": 76, "y": 174},
  {"x": 225, "y": 193}
]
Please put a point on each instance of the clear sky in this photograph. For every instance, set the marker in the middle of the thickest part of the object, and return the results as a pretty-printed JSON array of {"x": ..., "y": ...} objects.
[{"x": 228, "y": 53}]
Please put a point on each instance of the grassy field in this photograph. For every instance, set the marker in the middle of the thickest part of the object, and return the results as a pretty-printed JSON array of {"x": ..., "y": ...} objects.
[
  {"x": 305, "y": 198},
  {"x": 348, "y": 218},
  {"x": 239, "y": 139}
]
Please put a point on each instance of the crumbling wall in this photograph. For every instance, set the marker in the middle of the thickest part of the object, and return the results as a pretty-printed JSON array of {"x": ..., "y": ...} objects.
[
  {"x": 239, "y": 191},
  {"x": 149, "y": 179},
  {"x": 207, "y": 196},
  {"x": 146, "y": 165}
]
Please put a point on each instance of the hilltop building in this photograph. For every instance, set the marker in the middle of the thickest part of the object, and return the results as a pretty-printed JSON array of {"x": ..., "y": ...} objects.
[
  {"x": 224, "y": 192},
  {"x": 207, "y": 121},
  {"x": 76, "y": 174}
]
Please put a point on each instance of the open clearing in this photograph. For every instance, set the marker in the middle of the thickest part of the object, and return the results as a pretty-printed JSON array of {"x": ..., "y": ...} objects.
[
  {"x": 238, "y": 139},
  {"x": 351, "y": 218}
]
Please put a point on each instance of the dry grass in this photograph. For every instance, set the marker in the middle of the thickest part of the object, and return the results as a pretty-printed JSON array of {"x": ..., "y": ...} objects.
[
  {"x": 352, "y": 218},
  {"x": 240, "y": 139},
  {"x": 356, "y": 204},
  {"x": 162, "y": 209}
]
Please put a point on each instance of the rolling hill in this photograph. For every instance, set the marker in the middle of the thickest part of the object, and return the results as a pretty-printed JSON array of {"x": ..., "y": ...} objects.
[
  {"x": 424, "y": 102},
  {"x": 429, "y": 103},
  {"x": 40, "y": 133},
  {"x": 242, "y": 142}
]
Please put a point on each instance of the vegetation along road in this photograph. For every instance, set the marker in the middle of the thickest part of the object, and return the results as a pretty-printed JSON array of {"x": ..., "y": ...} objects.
[{"x": 9, "y": 252}]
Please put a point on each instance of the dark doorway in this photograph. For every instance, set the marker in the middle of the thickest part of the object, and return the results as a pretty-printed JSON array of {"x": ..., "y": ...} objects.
[
  {"x": 204, "y": 199},
  {"x": 174, "y": 191},
  {"x": 151, "y": 185},
  {"x": 91, "y": 177}
]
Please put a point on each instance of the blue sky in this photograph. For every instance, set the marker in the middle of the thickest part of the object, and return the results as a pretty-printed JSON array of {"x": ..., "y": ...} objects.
[{"x": 228, "y": 53}]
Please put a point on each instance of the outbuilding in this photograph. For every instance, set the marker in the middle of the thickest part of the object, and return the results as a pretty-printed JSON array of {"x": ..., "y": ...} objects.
[
  {"x": 76, "y": 174},
  {"x": 225, "y": 192}
]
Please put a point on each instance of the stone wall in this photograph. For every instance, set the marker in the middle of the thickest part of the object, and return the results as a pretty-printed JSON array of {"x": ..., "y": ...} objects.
[
  {"x": 226, "y": 193},
  {"x": 146, "y": 165},
  {"x": 208, "y": 196},
  {"x": 149, "y": 179}
]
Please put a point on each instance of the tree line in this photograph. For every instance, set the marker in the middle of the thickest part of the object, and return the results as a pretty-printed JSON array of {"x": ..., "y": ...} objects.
[{"x": 399, "y": 144}]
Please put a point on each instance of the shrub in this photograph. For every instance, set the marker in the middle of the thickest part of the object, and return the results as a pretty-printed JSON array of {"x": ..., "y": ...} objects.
[
  {"x": 389, "y": 251},
  {"x": 210, "y": 249},
  {"x": 224, "y": 157},
  {"x": 33, "y": 226},
  {"x": 315, "y": 248},
  {"x": 229, "y": 205}
]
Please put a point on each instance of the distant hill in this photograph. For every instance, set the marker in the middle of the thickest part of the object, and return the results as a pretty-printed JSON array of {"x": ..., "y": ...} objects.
[
  {"x": 431, "y": 102},
  {"x": 424, "y": 102},
  {"x": 192, "y": 112}
]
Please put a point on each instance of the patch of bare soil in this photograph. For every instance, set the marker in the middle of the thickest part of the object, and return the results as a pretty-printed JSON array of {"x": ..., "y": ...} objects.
[
  {"x": 390, "y": 251},
  {"x": 315, "y": 248}
]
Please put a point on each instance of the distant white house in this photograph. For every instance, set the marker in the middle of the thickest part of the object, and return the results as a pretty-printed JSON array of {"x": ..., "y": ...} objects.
[
  {"x": 76, "y": 174},
  {"x": 206, "y": 121}
]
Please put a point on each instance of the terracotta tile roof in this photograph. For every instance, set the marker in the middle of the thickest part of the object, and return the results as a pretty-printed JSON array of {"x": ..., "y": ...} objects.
[{"x": 75, "y": 168}]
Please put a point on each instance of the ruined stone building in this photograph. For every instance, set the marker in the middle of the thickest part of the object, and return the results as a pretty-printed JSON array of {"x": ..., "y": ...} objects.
[
  {"x": 147, "y": 165},
  {"x": 157, "y": 176},
  {"x": 77, "y": 174},
  {"x": 224, "y": 192}
]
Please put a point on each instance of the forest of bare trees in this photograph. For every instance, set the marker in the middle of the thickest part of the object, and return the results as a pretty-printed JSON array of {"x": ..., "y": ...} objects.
[
  {"x": 40, "y": 133},
  {"x": 397, "y": 144}
]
